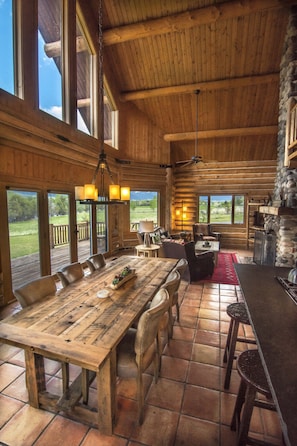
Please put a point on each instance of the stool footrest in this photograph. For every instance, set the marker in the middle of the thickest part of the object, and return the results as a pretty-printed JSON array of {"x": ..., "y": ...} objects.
[
  {"x": 264, "y": 405},
  {"x": 246, "y": 340}
]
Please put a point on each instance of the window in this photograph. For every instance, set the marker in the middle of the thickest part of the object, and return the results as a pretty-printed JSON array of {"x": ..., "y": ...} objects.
[
  {"x": 50, "y": 57},
  {"x": 221, "y": 209},
  {"x": 6, "y": 46},
  {"x": 23, "y": 223},
  {"x": 110, "y": 121},
  {"x": 85, "y": 82},
  {"x": 143, "y": 206}
]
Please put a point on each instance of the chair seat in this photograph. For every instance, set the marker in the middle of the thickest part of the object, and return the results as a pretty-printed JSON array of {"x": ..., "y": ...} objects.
[
  {"x": 250, "y": 369},
  {"x": 238, "y": 312},
  {"x": 126, "y": 359}
]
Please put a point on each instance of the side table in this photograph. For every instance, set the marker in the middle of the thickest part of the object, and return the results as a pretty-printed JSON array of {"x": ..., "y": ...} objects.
[{"x": 147, "y": 251}]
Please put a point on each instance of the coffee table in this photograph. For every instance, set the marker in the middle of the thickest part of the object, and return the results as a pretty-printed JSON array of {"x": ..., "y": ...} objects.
[{"x": 214, "y": 246}]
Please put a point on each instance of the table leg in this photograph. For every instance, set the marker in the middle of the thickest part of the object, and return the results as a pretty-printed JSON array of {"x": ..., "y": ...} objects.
[
  {"x": 35, "y": 376},
  {"x": 106, "y": 394}
]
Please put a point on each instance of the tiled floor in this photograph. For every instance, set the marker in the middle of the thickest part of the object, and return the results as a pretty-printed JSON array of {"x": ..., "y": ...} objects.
[{"x": 187, "y": 406}]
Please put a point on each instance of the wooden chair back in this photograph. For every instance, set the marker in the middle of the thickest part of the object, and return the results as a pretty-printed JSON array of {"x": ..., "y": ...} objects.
[
  {"x": 71, "y": 273},
  {"x": 35, "y": 290},
  {"x": 95, "y": 262}
]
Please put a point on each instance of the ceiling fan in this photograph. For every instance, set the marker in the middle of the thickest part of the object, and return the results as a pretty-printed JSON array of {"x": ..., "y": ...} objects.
[{"x": 195, "y": 159}]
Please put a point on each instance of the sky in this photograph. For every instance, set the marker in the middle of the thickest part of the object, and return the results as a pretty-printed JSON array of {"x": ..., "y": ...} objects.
[{"x": 50, "y": 89}]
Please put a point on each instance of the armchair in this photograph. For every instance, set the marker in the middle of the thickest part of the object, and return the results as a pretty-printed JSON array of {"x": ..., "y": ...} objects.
[
  {"x": 199, "y": 265},
  {"x": 203, "y": 231}
]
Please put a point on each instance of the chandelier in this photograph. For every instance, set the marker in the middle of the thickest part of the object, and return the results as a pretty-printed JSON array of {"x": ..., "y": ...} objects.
[{"x": 89, "y": 193}]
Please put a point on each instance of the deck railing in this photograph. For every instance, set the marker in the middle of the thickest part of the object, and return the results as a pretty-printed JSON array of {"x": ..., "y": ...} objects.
[{"x": 59, "y": 234}]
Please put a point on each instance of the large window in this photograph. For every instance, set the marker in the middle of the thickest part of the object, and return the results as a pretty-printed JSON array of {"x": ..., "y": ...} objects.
[
  {"x": 143, "y": 206},
  {"x": 23, "y": 223},
  {"x": 6, "y": 46},
  {"x": 85, "y": 82},
  {"x": 221, "y": 209},
  {"x": 50, "y": 57}
]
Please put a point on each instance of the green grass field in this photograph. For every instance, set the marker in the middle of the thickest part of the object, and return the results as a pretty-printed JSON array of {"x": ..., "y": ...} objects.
[{"x": 24, "y": 238}]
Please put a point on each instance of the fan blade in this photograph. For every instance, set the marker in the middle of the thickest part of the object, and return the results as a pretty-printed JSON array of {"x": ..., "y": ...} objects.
[{"x": 183, "y": 162}]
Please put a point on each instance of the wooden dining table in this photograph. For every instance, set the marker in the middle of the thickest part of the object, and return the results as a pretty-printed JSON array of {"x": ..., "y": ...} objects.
[
  {"x": 78, "y": 327},
  {"x": 273, "y": 316}
]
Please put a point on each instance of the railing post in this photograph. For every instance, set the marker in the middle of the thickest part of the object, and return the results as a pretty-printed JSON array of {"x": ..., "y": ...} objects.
[{"x": 51, "y": 236}]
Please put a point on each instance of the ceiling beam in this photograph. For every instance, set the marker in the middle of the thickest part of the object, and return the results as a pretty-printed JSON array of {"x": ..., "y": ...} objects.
[
  {"x": 226, "y": 84},
  {"x": 221, "y": 133},
  {"x": 190, "y": 19}
]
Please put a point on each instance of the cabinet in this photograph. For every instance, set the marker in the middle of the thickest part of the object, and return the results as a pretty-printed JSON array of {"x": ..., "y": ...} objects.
[{"x": 254, "y": 221}]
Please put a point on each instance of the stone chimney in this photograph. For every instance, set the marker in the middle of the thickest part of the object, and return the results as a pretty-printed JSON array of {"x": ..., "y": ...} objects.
[{"x": 285, "y": 226}]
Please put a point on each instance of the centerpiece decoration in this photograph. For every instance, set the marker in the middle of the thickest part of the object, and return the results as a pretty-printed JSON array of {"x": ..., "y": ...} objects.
[{"x": 119, "y": 279}]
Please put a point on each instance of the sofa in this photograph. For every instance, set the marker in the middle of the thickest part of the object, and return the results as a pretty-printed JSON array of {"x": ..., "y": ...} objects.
[{"x": 200, "y": 265}]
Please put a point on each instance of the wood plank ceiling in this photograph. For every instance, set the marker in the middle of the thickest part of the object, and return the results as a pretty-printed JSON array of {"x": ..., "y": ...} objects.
[{"x": 160, "y": 52}]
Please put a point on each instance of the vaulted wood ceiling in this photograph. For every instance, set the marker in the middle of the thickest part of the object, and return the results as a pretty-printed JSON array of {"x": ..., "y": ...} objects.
[{"x": 161, "y": 51}]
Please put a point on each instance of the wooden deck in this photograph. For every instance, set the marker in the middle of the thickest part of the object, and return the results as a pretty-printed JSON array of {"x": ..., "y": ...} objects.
[{"x": 27, "y": 268}]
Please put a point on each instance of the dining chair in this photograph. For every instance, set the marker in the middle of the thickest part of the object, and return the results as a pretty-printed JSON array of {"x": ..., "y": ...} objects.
[
  {"x": 140, "y": 347},
  {"x": 171, "y": 285},
  {"x": 96, "y": 261},
  {"x": 181, "y": 267},
  {"x": 30, "y": 293},
  {"x": 33, "y": 291},
  {"x": 70, "y": 273}
]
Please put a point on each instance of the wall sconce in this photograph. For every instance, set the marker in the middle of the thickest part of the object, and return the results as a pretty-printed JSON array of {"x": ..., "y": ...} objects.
[{"x": 181, "y": 214}]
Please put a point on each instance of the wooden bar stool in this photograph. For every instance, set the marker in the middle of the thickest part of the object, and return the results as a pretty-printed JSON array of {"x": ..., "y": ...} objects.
[
  {"x": 238, "y": 315},
  {"x": 253, "y": 380}
]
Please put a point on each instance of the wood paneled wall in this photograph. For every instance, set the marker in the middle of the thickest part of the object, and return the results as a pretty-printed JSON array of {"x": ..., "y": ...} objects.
[{"x": 253, "y": 179}]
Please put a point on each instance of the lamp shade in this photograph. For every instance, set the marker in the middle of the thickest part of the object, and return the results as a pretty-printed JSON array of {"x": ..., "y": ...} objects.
[
  {"x": 79, "y": 192},
  {"x": 89, "y": 191},
  {"x": 125, "y": 193},
  {"x": 114, "y": 192},
  {"x": 146, "y": 226}
]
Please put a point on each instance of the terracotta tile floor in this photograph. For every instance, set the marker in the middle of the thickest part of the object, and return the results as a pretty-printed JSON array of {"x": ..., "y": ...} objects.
[{"x": 187, "y": 406}]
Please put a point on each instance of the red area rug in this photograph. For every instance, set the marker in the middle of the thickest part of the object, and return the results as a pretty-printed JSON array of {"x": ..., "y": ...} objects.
[{"x": 224, "y": 271}]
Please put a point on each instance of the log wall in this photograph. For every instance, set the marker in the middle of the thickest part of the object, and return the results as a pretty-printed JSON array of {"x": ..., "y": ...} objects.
[{"x": 253, "y": 179}]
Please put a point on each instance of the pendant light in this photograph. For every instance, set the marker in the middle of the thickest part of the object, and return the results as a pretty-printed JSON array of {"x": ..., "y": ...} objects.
[{"x": 89, "y": 193}]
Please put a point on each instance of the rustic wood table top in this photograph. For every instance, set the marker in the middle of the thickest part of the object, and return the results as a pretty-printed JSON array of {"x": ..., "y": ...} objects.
[{"x": 78, "y": 327}]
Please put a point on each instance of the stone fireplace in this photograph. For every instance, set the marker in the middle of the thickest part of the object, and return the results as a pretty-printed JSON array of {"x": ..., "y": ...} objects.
[{"x": 281, "y": 218}]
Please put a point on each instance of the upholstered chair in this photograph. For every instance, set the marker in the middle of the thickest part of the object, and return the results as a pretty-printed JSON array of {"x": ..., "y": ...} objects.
[
  {"x": 32, "y": 292},
  {"x": 96, "y": 261},
  {"x": 35, "y": 290},
  {"x": 140, "y": 347},
  {"x": 203, "y": 231},
  {"x": 70, "y": 273},
  {"x": 171, "y": 285},
  {"x": 201, "y": 265},
  {"x": 181, "y": 267}
]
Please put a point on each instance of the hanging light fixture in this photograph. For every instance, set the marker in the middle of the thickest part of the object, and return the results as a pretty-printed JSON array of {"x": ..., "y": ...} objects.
[{"x": 89, "y": 194}]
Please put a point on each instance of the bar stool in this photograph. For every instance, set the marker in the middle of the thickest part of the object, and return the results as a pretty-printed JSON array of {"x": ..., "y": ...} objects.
[
  {"x": 238, "y": 315},
  {"x": 253, "y": 380}
]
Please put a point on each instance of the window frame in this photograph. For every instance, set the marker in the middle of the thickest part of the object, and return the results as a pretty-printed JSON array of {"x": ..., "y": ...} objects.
[
  {"x": 135, "y": 226},
  {"x": 233, "y": 198}
]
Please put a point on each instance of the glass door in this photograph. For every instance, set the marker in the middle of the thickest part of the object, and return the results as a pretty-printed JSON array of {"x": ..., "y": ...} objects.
[
  {"x": 83, "y": 218},
  {"x": 59, "y": 231},
  {"x": 23, "y": 224}
]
